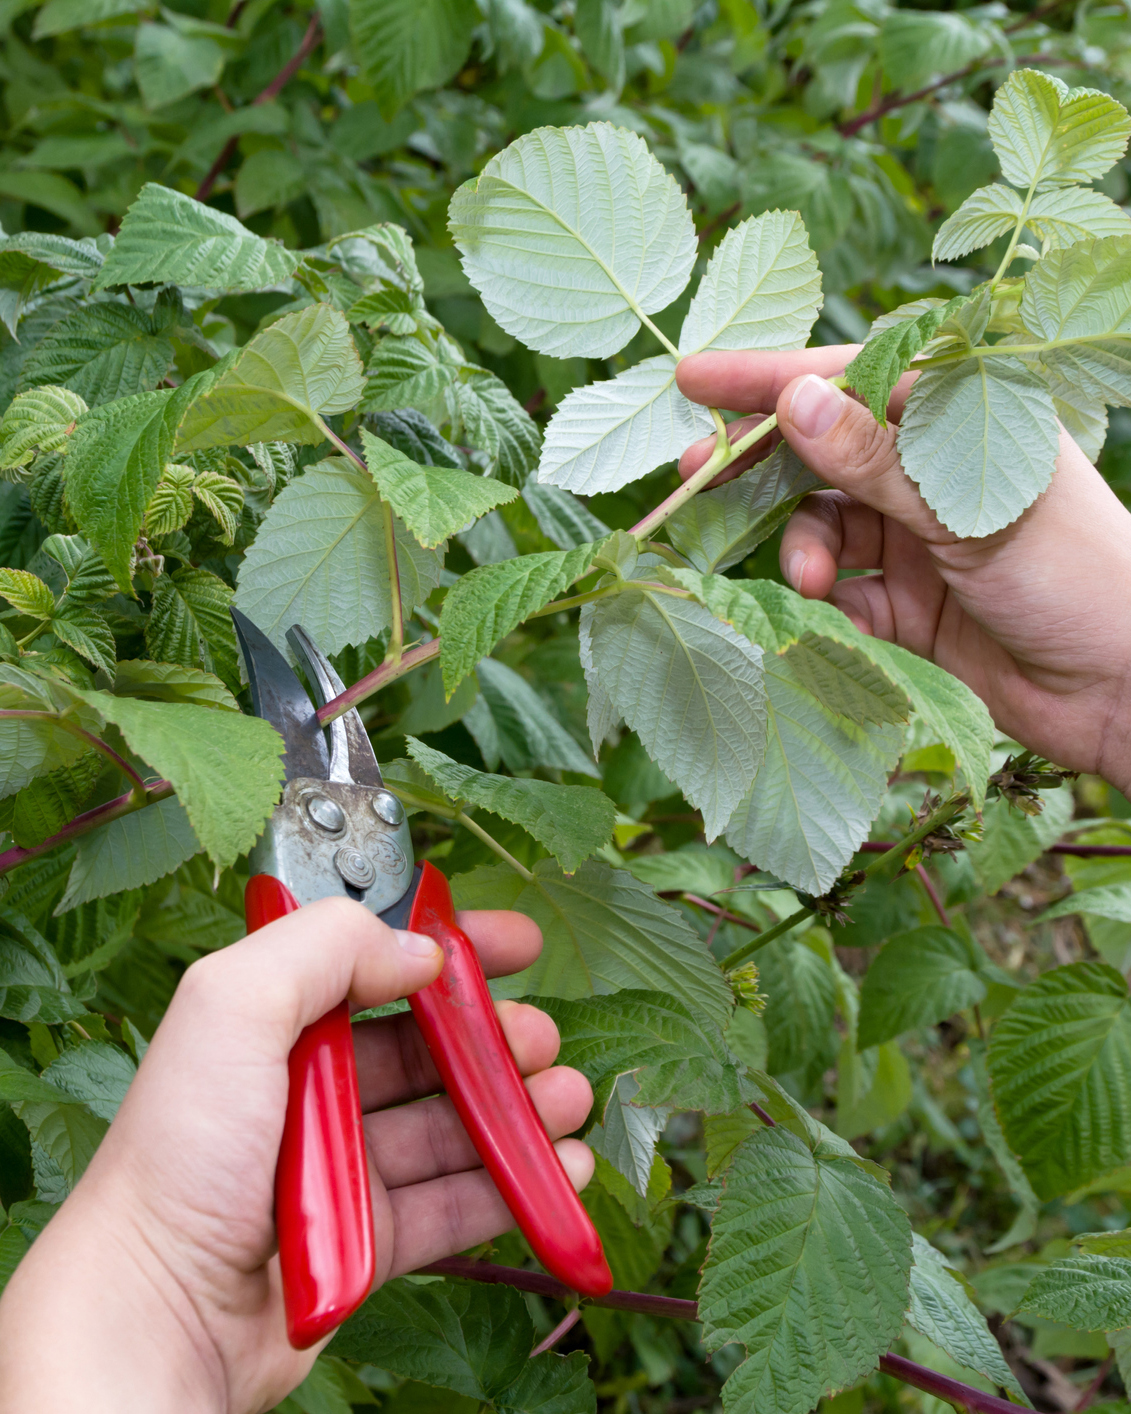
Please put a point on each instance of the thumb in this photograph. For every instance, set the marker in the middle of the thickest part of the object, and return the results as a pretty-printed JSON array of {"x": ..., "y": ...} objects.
[{"x": 840, "y": 440}]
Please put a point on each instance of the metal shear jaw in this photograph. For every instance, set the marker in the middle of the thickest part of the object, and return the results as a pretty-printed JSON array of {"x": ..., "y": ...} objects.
[{"x": 337, "y": 831}]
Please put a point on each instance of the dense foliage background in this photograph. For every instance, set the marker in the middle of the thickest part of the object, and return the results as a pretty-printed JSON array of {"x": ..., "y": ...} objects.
[{"x": 309, "y": 124}]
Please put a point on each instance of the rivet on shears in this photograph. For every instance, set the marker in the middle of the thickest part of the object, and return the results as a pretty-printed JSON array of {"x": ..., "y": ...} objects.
[
  {"x": 387, "y": 807},
  {"x": 354, "y": 868},
  {"x": 326, "y": 813}
]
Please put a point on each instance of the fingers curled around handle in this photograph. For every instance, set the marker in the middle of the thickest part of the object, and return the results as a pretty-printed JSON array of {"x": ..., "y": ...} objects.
[
  {"x": 840, "y": 440},
  {"x": 286, "y": 975}
]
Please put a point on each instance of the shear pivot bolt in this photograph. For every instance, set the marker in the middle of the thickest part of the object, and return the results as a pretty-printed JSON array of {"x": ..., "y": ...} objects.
[
  {"x": 327, "y": 814},
  {"x": 388, "y": 808},
  {"x": 354, "y": 868}
]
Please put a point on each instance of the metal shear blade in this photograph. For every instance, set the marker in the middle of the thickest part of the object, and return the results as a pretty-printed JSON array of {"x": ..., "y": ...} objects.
[{"x": 337, "y": 830}]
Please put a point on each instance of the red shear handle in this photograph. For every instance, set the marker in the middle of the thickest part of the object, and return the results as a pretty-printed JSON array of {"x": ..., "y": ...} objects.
[
  {"x": 459, "y": 1023},
  {"x": 322, "y": 1207}
]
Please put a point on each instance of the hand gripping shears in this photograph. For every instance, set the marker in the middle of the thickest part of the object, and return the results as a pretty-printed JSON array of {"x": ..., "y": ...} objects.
[{"x": 338, "y": 832}]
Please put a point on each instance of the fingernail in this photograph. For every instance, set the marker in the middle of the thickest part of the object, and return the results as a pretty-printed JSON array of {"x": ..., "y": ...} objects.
[
  {"x": 815, "y": 406},
  {"x": 415, "y": 944},
  {"x": 795, "y": 568}
]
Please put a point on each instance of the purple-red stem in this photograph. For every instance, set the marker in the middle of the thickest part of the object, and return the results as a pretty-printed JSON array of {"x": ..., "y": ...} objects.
[
  {"x": 564, "y": 1326},
  {"x": 88, "y": 820},
  {"x": 378, "y": 678},
  {"x": 942, "y": 1386},
  {"x": 273, "y": 89}
]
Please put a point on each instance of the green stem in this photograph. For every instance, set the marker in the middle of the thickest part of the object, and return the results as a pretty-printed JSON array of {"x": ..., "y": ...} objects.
[
  {"x": 480, "y": 833},
  {"x": 1008, "y": 256},
  {"x": 947, "y": 811},
  {"x": 574, "y": 601},
  {"x": 396, "y": 612}
]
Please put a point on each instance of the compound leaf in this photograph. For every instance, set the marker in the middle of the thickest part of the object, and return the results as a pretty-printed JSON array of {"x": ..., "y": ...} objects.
[
  {"x": 605, "y": 435},
  {"x": 572, "y": 822},
  {"x": 1047, "y": 134},
  {"x": 571, "y": 235},
  {"x": 168, "y": 237},
  {"x": 1059, "y": 1063}
]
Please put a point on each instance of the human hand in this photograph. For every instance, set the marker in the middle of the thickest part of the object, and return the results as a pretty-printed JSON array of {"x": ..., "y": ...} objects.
[
  {"x": 161, "y": 1265},
  {"x": 1033, "y": 618}
]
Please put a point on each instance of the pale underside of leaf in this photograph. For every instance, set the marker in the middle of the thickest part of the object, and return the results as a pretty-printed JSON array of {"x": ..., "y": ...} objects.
[
  {"x": 691, "y": 687},
  {"x": 128, "y": 853},
  {"x": 761, "y": 289},
  {"x": 570, "y": 234},
  {"x": 607, "y": 434},
  {"x": 980, "y": 439}
]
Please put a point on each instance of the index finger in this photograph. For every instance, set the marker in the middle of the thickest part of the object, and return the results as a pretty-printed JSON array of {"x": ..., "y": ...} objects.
[{"x": 752, "y": 380}]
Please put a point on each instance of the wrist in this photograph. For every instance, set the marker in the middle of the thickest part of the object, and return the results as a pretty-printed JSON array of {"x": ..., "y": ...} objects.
[{"x": 133, "y": 1339}]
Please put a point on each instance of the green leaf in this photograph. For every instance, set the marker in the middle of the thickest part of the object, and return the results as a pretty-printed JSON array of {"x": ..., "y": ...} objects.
[
  {"x": 470, "y": 1339},
  {"x": 32, "y": 984},
  {"x": 189, "y": 623},
  {"x": 223, "y": 499},
  {"x": 689, "y": 685},
  {"x": 916, "y": 45},
  {"x": 515, "y": 722},
  {"x": 130, "y": 852},
  {"x": 1080, "y": 298},
  {"x": 395, "y": 311},
  {"x": 571, "y": 234},
  {"x": 1105, "y": 901},
  {"x": 761, "y": 288},
  {"x": 27, "y": 593},
  {"x": 64, "y": 1128},
  {"x": 1045, "y": 134},
  {"x": 44, "y": 806},
  {"x": 1089, "y": 1292},
  {"x": 675, "y": 1058},
  {"x": 799, "y": 1017},
  {"x": 572, "y": 822},
  {"x": 225, "y": 767},
  {"x": 1024, "y": 1224},
  {"x": 405, "y": 46},
  {"x": 564, "y": 520},
  {"x": 410, "y": 432},
  {"x": 36, "y": 422},
  {"x": 483, "y": 606},
  {"x": 885, "y": 358},
  {"x": 719, "y": 528},
  {"x": 116, "y": 457},
  {"x": 822, "y": 1293},
  {"x": 96, "y": 1073},
  {"x": 984, "y": 215},
  {"x": 551, "y": 1384},
  {"x": 605, "y": 435},
  {"x": 302, "y": 367},
  {"x": 602, "y": 931},
  {"x": 32, "y": 260},
  {"x": 1065, "y": 215},
  {"x": 917, "y": 979},
  {"x": 1011, "y": 840},
  {"x": 873, "y": 1087},
  {"x": 319, "y": 560},
  {"x": 597, "y": 24},
  {"x": 414, "y": 372},
  {"x": 87, "y": 632},
  {"x": 170, "y": 682},
  {"x": 171, "y": 503},
  {"x": 58, "y": 16},
  {"x": 102, "y": 352},
  {"x": 433, "y": 503},
  {"x": 497, "y": 423},
  {"x": 979, "y": 438},
  {"x": 168, "y": 237},
  {"x": 32, "y": 748},
  {"x": 818, "y": 787},
  {"x": 1059, "y": 1063},
  {"x": 627, "y": 1134},
  {"x": 941, "y": 1310}
]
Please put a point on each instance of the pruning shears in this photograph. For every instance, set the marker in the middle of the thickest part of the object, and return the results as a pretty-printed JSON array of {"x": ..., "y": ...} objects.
[{"x": 338, "y": 831}]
